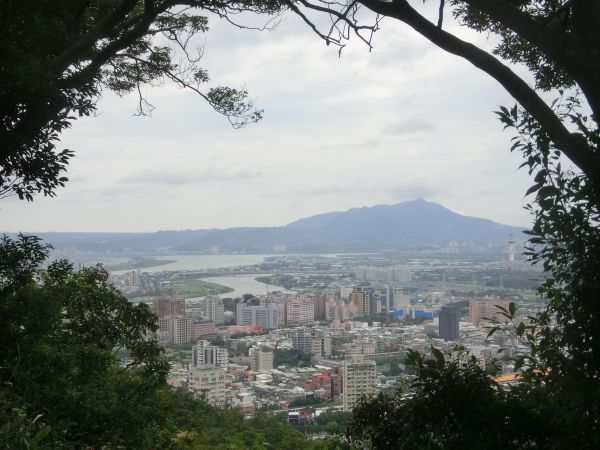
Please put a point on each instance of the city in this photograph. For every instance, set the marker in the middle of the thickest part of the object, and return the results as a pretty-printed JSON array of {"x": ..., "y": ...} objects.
[
  {"x": 329, "y": 329},
  {"x": 300, "y": 224}
]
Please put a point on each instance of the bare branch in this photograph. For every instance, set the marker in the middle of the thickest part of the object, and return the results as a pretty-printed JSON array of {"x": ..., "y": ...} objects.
[
  {"x": 344, "y": 21},
  {"x": 237, "y": 114}
]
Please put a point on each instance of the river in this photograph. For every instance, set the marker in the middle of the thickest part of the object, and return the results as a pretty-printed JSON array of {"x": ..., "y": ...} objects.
[
  {"x": 199, "y": 262},
  {"x": 244, "y": 284}
]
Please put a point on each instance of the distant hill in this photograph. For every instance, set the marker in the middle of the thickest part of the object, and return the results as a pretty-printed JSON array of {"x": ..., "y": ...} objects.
[
  {"x": 408, "y": 224},
  {"x": 412, "y": 224}
]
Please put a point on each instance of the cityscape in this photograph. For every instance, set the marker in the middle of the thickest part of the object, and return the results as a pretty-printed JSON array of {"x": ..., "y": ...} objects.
[
  {"x": 299, "y": 224},
  {"x": 318, "y": 332}
]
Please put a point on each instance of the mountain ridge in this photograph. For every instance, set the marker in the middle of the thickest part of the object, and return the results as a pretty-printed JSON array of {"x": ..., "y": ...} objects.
[{"x": 415, "y": 223}]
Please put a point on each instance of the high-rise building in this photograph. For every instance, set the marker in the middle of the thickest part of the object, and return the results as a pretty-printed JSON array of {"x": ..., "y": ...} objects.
[
  {"x": 133, "y": 279},
  {"x": 449, "y": 323},
  {"x": 208, "y": 382},
  {"x": 401, "y": 298},
  {"x": 374, "y": 303},
  {"x": 266, "y": 316},
  {"x": 511, "y": 248},
  {"x": 359, "y": 378},
  {"x": 261, "y": 359},
  {"x": 164, "y": 329},
  {"x": 345, "y": 292},
  {"x": 203, "y": 328},
  {"x": 180, "y": 329},
  {"x": 384, "y": 294},
  {"x": 321, "y": 345},
  {"x": 165, "y": 307},
  {"x": 320, "y": 302},
  {"x": 312, "y": 341},
  {"x": 209, "y": 308},
  {"x": 372, "y": 273},
  {"x": 206, "y": 355},
  {"x": 214, "y": 310},
  {"x": 486, "y": 310},
  {"x": 300, "y": 310},
  {"x": 302, "y": 340},
  {"x": 360, "y": 299}
]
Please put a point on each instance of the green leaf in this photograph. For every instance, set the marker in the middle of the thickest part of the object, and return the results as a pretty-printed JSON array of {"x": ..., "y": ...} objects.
[
  {"x": 492, "y": 331},
  {"x": 534, "y": 188},
  {"x": 439, "y": 356}
]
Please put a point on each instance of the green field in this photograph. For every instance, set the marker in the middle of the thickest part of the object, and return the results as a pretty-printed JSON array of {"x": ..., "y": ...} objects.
[{"x": 198, "y": 288}]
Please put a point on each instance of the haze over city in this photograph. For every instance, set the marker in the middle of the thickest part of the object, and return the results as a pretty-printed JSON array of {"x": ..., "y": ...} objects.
[{"x": 404, "y": 121}]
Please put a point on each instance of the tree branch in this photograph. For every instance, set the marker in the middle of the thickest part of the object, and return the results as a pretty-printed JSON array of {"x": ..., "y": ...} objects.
[
  {"x": 237, "y": 117},
  {"x": 564, "y": 48},
  {"x": 79, "y": 48},
  {"x": 112, "y": 49},
  {"x": 573, "y": 145}
]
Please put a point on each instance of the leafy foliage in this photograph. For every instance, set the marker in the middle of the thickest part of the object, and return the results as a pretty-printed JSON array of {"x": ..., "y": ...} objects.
[
  {"x": 202, "y": 426},
  {"x": 291, "y": 357},
  {"x": 59, "y": 376},
  {"x": 451, "y": 404},
  {"x": 556, "y": 15},
  {"x": 58, "y": 57},
  {"x": 565, "y": 238}
]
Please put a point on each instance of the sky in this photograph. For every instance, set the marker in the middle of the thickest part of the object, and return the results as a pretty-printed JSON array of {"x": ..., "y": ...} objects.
[{"x": 403, "y": 121}]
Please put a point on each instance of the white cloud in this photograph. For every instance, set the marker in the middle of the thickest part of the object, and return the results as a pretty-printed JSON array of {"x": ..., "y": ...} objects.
[{"x": 403, "y": 121}]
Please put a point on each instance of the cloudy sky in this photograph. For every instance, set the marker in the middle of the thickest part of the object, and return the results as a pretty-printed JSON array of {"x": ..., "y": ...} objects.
[{"x": 405, "y": 120}]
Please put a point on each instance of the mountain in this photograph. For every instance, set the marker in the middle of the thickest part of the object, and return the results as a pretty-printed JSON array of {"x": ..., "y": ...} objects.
[
  {"x": 411, "y": 224},
  {"x": 408, "y": 224}
]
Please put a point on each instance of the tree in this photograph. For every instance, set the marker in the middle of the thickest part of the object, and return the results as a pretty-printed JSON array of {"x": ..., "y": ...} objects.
[
  {"x": 61, "y": 382},
  {"x": 427, "y": 415},
  {"x": 58, "y": 57}
]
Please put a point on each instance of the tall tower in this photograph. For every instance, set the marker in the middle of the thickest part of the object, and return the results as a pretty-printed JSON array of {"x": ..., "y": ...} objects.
[
  {"x": 511, "y": 248},
  {"x": 449, "y": 324}
]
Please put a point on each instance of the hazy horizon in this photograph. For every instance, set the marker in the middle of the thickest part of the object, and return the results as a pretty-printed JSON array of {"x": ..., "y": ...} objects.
[{"x": 241, "y": 225}]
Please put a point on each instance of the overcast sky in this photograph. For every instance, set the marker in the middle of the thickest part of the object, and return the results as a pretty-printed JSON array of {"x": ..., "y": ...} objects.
[{"x": 403, "y": 121}]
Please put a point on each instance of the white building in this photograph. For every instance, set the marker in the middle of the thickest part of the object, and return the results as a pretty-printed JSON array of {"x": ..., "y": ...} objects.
[
  {"x": 205, "y": 355},
  {"x": 300, "y": 310},
  {"x": 210, "y": 308},
  {"x": 359, "y": 378},
  {"x": 266, "y": 316},
  {"x": 372, "y": 273},
  {"x": 321, "y": 345},
  {"x": 261, "y": 359},
  {"x": 180, "y": 329},
  {"x": 208, "y": 382}
]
